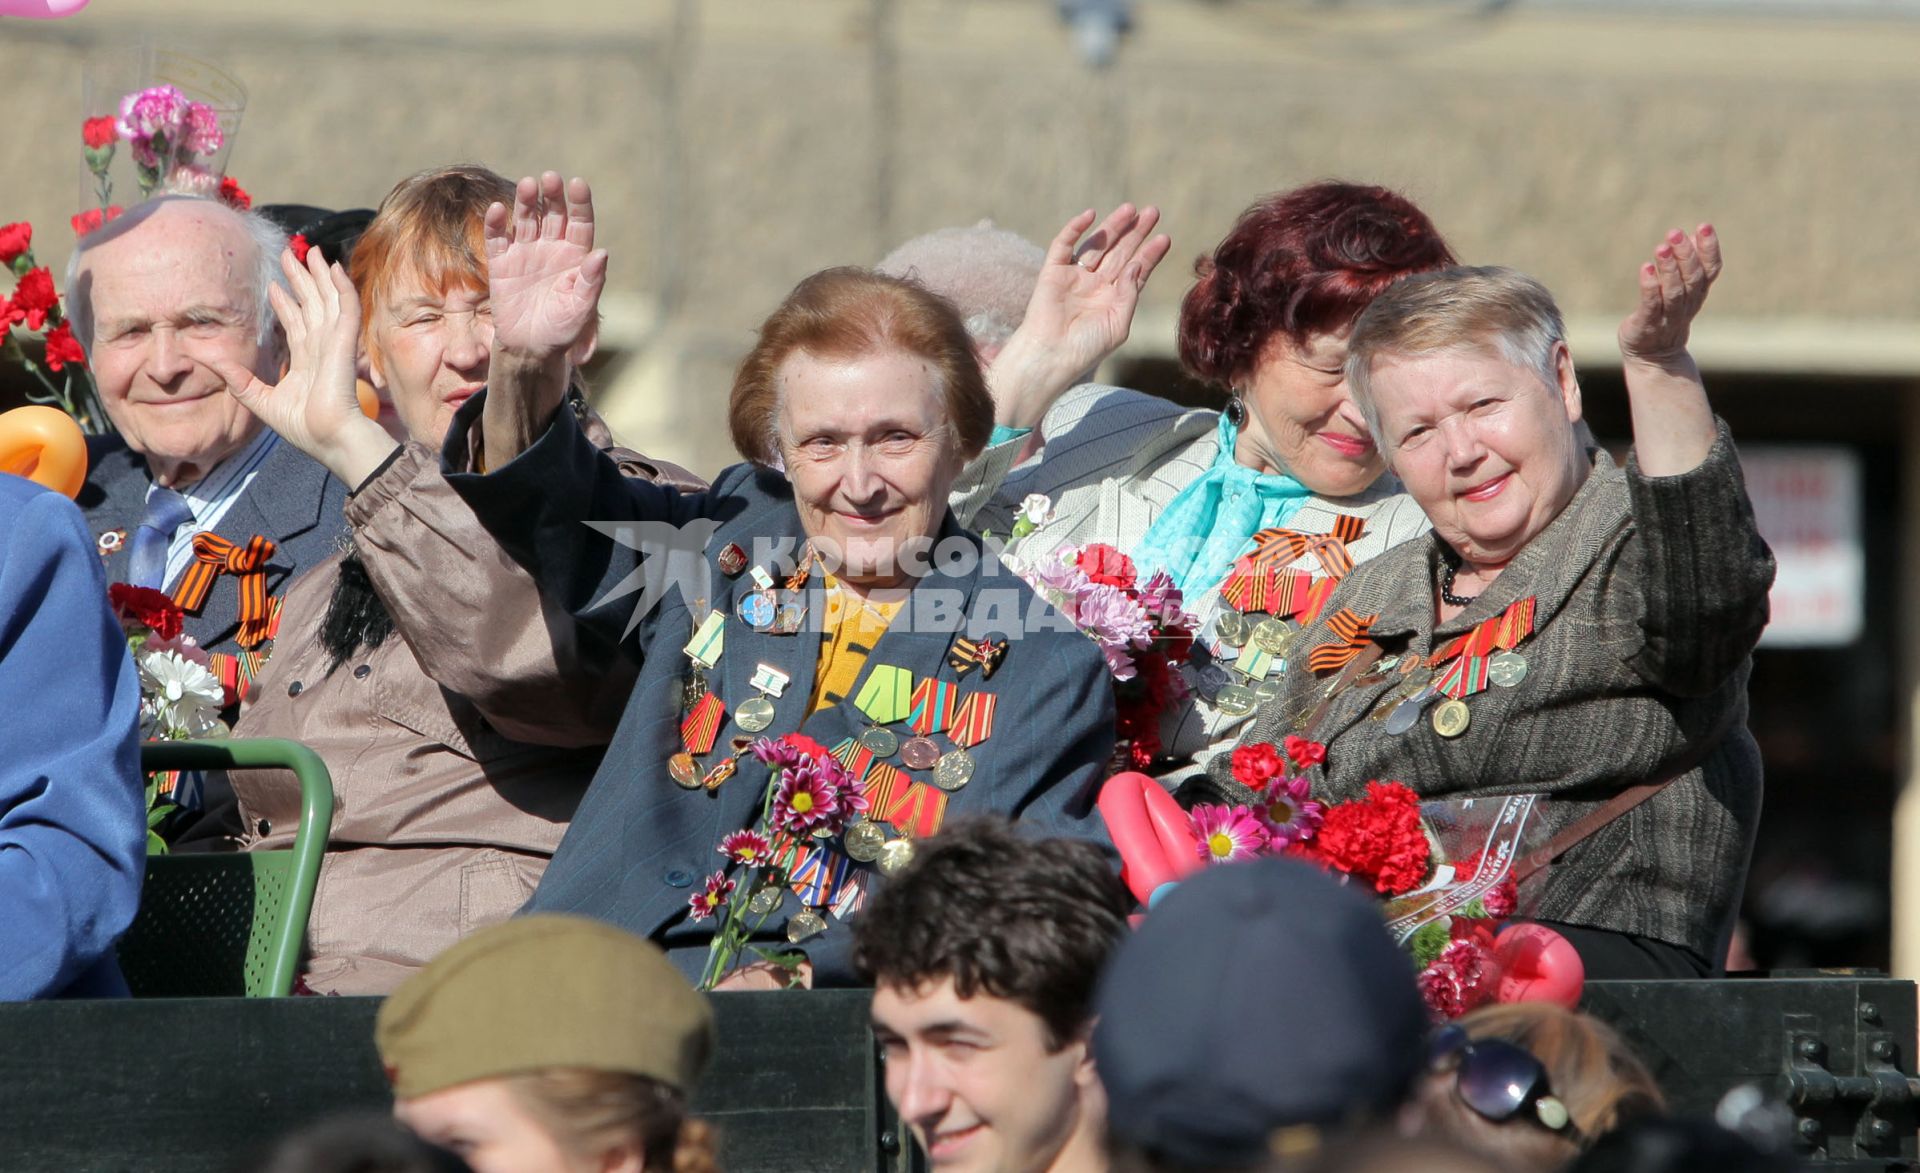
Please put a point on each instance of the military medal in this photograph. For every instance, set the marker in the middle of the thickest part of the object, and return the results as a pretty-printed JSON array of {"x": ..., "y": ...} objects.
[
  {"x": 953, "y": 770},
  {"x": 764, "y": 901},
  {"x": 972, "y": 725},
  {"x": 1451, "y": 718},
  {"x": 789, "y": 617},
  {"x": 1237, "y": 700},
  {"x": 864, "y": 840},
  {"x": 722, "y": 770},
  {"x": 1230, "y": 628},
  {"x": 985, "y": 654},
  {"x": 732, "y": 560},
  {"x": 754, "y": 715},
  {"x": 110, "y": 541},
  {"x": 756, "y": 610},
  {"x": 804, "y": 924},
  {"x": 681, "y": 768},
  {"x": 919, "y": 753},
  {"x": 1407, "y": 713},
  {"x": 1507, "y": 669},
  {"x": 884, "y": 699},
  {"x": 708, "y": 640},
  {"x": 1267, "y": 690},
  {"x": 931, "y": 711},
  {"x": 895, "y": 856},
  {"x": 1273, "y": 636},
  {"x": 700, "y": 728},
  {"x": 1255, "y": 662}
]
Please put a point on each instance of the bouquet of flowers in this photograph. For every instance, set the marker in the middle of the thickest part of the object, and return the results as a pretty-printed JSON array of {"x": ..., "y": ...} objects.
[
  {"x": 33, "y": 311},
  {"x": 180, "y": 697},
  {"x": 1443, "y": 868},
  {"x": 1141, "y": 629},
  {"x": 810, "y": 798}
]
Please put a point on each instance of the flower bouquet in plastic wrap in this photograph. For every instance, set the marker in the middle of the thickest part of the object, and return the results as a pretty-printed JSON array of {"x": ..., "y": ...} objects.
[{"x": 1448, "y": 871}]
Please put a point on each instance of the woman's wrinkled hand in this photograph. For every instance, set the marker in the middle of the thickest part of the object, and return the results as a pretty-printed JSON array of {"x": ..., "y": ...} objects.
[
  {"x": 544, "y": 276},
  {"x": 1673, "y": 287},
  {"x": 315, "y": 406},
  {"x": 765, "y": 975},
  {"x": 1081, "y": 310}
]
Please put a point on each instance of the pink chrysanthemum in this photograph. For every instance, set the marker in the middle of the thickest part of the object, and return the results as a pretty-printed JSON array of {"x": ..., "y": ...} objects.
[
  {"x": 1227, "y": 834},
  {"x": 1288, "y": 814},
  {"x": 815, "y": 793},
  {"x": 747, "y": 847}
]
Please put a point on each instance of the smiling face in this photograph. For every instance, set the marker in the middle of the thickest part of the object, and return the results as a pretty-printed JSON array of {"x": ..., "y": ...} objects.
[
  {"x": 1302, "y": 420},
  {"x": 1485, "y": 445},
  {"x": 488, "y": 1125},
  {"x": 976, "y": 1082},
  {"x": 871, "y": 456},
  {"x": 169, "y": 299},
  {"x": 433, "y": 347}
]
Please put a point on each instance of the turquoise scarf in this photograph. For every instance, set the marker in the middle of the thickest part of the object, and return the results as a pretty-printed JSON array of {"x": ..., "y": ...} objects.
[{"x": 1212, "y": 521}]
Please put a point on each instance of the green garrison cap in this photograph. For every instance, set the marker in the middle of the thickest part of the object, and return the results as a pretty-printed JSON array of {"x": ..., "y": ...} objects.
[{"x": 544, "y": 991}]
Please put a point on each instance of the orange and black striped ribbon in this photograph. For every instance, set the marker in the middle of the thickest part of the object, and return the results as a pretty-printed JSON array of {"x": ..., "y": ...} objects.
[
  {"x": 1350, "y": 635},
  {"x": 213, "y": 554},
  {"x": 701, "y": 726},
  {"x": 1502, "y": 631},
  {"x": 881, "y": 785}
]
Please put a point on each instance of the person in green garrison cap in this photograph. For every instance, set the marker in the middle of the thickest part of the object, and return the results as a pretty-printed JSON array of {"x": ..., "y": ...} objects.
[{"x": 552, "y": 1044}]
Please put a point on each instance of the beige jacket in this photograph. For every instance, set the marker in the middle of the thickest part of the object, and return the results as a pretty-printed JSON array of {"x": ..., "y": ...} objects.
[{"x": 458, "y": 749}]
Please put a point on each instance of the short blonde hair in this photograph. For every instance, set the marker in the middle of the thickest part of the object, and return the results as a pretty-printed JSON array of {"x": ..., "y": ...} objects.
[
  {"x": 591, "y": 1113},
  {"x": 1461, "y": 308}
]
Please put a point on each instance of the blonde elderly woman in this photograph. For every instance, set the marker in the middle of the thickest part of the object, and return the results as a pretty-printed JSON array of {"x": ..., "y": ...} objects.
[
  {"x": 828, "y": 600},
  {"x": 1571, "y": 625}
]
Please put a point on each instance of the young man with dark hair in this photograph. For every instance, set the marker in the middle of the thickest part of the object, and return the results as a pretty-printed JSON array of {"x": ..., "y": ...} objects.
[{"x": 984, "y": 954}]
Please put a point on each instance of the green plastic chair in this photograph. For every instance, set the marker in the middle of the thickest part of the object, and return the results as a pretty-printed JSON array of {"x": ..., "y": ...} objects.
[{"x": 230, "y": 924}]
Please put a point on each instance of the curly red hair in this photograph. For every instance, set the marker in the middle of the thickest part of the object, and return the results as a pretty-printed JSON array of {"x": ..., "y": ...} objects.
[{"x": 1302, "y": 262}]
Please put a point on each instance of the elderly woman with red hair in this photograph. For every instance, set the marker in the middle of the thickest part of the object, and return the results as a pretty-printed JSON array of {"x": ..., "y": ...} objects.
[
  {"x": 459, "y": 730},
  {"x": 1253, "y": 512}
]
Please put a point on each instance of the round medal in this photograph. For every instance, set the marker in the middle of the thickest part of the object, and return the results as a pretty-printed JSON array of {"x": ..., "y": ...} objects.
[
  {"x": 1236, "y": 700},
  {"x": 1267, "y": 690},
  {"x": 1404, "y": 716},
  {"x": 1507, "y": 669},
  {"x": 756, "y": 609},
  {"x": 681, "y": 768},
  {"x": 880, "y": 741},
  {"x": 803, "y": 924},
  {"x": 764, "y": 901},
  {"x": 864, "y": 840},
  {"x": 953, "y": 770},
  {"x": 1210, "y": 680},
  {"x": 754, "y": 715},
  {"x": 1452, "y": 718},
  {"x": 895, "y": 856},
  {"x": 919, "y": 753},
  {"x": 1273, "y": 636},
  {"x": 1230, "y": 628}
]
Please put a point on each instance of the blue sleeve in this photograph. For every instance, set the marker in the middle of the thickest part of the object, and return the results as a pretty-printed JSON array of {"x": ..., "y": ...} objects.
[
  {"x": 72, "y": 823},
  {"x": 546, "y": 506}
]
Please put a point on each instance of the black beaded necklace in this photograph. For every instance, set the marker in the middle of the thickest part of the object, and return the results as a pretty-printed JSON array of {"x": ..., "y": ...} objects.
[{"x": 1446, "y": 587}]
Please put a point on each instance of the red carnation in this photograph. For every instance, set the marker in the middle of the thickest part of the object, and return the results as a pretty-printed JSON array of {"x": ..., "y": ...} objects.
[
  {"x": 1256, "y": 765},
  {"x": 1378, "y": 839},
  {"x": 147, "y": 607},
  {"x": 15, "y": 239},
  {"x": 233, "y": 195},
  {"x": 34, "y": 298},
  {"x": 99, "y": 132},
  {"x": 806, "y": 745},
  {"x": 1305, "y": 753},
  {"x": 1502, "y": 899},
  {"x": 93, "y": 218},
  {"x": 1103, "y": 564},
  {"x": 63, "y": 349},
  {"x": 299, "y": 246}
]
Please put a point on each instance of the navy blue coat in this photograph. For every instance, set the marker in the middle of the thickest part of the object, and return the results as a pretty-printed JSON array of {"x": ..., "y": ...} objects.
[
  {"x": 73, "y": 832},
  {"x": 293, "y": 500},
  {"x": 639, "y": 844}
]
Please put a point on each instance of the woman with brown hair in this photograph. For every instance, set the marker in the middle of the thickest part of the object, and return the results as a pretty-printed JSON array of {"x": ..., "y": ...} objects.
[
  {"x": 552, "y": 1044},
  {"x": 1532, "y": 1085}
]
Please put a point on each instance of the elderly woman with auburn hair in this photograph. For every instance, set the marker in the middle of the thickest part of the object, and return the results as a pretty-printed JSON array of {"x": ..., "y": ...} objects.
[
  {"x": 460, "y": 732},
  {"x": 1253, "y": 512},
  {"x": 820, "y": 593},
  {"x": 1571, "y": 626}
]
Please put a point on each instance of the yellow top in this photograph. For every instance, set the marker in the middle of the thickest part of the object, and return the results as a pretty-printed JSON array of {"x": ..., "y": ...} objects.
[{"x": 853, "y": 626}]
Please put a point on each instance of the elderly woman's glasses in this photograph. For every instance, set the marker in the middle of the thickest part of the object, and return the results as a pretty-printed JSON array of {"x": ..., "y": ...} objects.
[{"x": 1499, "y": 1080}]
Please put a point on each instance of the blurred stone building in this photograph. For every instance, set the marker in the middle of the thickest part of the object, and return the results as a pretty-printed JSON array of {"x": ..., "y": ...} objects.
[{"x": 736, "y": 145}]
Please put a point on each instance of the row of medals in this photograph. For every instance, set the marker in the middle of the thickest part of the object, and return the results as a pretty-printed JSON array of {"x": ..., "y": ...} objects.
[
  {"x": 1269, "y": 633},
  {"x": 1399, "y": 710}
]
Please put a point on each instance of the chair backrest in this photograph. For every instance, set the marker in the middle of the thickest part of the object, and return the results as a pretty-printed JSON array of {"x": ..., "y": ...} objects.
[{"x": 229, "y": 925}]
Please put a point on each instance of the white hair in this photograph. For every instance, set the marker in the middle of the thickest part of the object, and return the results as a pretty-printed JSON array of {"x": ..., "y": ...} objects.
[
  {"x": 987, "y": 272},
  {"x": 269, "y": 240}
]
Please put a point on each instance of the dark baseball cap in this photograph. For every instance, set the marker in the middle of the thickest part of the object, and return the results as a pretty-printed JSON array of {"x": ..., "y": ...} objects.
[{"x": 1256, "y": 997}]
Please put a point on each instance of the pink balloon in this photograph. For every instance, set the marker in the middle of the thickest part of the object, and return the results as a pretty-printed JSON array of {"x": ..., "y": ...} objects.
[
  {"x": 1151, "y": 832},
  {"x": 1540, "y": 966},
  {"x": 41, "y": 9}
]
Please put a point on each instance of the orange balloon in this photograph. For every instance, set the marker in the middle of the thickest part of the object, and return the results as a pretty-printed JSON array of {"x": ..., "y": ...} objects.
[{"x": 44, "y": 445}]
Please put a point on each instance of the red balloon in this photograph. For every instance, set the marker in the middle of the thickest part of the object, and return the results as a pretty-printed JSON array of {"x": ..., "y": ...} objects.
[
  {"x": 1539, "y": 965},
  {"x": 1151, "y": 832}
]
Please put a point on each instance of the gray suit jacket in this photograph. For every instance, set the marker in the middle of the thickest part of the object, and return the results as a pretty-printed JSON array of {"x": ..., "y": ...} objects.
[
  {"x": 640, "y": 845},
  {"x": 1650, "y": 593},
  {"x": 293, "y": 500}
]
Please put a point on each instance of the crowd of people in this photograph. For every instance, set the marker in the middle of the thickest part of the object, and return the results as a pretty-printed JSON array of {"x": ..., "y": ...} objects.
[{"x": 711, "y": 732}]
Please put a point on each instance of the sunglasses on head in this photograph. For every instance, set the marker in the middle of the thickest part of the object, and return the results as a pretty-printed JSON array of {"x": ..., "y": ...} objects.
[{"x": 1499, "y": 1080}]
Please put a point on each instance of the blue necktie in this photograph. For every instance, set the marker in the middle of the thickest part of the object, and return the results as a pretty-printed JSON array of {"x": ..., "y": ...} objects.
[{"x": 147, "y": 552}]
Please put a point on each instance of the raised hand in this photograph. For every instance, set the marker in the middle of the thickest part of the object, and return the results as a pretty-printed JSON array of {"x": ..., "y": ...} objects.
[
  {"x": 1673, "y": 287},
  {"x": 1081, "y": 311},
  {"x": 544, "y": 276},
  {"x": 315, "y": 407}
]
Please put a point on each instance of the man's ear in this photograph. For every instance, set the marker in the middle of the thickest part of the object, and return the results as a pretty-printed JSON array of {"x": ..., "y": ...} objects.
[{"x": 1083, "y": 1071}]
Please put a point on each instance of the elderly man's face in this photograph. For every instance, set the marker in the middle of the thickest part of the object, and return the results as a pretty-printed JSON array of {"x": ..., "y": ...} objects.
[
  {"x": 871, "y": 456},
  {"x": 1485, "y": 446},
  {"x": 169, "y": 299}
]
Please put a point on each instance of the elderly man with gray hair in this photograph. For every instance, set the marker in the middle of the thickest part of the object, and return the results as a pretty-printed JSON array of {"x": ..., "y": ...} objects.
[
  {"x": 986, "y": 271},
  {"x": 160, "y": 298}
]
